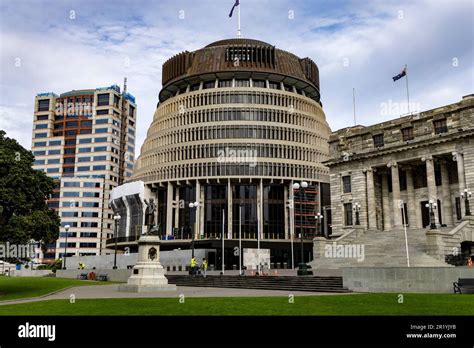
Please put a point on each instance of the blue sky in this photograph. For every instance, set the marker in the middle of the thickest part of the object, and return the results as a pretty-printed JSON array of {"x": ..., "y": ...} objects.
[{"x": 70, "y": 44}]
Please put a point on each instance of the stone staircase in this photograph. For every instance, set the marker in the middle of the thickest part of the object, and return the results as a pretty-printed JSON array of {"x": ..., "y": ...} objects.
[
  {"x": 294, "y": 283},
  {"x": 380, "y": 249}
]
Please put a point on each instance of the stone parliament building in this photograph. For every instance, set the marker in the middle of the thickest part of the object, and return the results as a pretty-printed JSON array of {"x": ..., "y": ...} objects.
[{"x": 413, "y": 160}]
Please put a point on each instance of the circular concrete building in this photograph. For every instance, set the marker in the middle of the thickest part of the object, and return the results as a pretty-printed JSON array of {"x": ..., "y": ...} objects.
[{"x": 237, "y": 124}]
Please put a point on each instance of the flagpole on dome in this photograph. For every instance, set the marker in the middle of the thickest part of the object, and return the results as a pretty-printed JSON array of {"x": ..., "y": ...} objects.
[{"x": 238, "y": 20}]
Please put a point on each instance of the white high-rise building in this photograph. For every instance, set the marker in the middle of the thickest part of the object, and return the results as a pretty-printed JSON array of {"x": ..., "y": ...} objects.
[{"x": 85, "y": 140}]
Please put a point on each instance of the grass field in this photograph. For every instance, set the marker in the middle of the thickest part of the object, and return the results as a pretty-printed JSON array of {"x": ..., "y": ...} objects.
[
  {"x": 359, "y": 304},
  {"x": 22, "y": 287}
]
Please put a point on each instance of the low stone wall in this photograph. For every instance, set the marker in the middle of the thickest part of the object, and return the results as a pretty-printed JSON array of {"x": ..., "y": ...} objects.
[
  {"x": 30, "y": 273},
  {"x": 114, "y": 275},
  {"x": 397, "y": 279}
]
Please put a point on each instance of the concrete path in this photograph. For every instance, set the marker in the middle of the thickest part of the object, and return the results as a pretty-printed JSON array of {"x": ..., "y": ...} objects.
[{"x": 111, "y": 291}]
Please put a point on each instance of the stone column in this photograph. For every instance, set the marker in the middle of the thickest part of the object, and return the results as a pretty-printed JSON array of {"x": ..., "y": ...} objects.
[
  {"x": 229, "y": 210},
  {"x": 169, "y": 209},
  {"x": 446, "y": 192},
  {"x": 371, "y": 212},
  {"x": 431, "y": 180},
  {"x": 397, "y": 213},
  {"x": 176, "y": 211},
  {"x": 459, "y": 158},
  {"x": 387, "y": 223},
  {"x": 412, "y": 210}
]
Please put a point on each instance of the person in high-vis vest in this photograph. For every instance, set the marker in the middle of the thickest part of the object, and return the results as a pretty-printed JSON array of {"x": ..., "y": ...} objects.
[
  {"x": 204, "y": 267},
  {"x": 193, "y": 265}
]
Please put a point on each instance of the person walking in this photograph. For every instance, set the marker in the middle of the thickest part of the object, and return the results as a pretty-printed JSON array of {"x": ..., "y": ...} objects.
[
  {"x": 193, "y": 266},
  {"x": 204, "y": 267}
]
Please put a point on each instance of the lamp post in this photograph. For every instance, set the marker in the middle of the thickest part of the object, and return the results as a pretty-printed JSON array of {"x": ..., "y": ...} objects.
[
  {"x": 65, "y": 246},
  {"x": 319, "y": 219},
  {"x": 432, "y": 207},
  {"x": 116, "y": 220},
  {"x": 356, "y": 211},
  {"x": 301, "y": 186},
  {"x": 466, "y": 195},
  {"x": 291, "y": 207},
  {"x": 193, "y": 207}
]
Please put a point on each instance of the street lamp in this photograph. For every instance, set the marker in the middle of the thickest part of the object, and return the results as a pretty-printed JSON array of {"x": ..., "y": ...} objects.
[
  {"x": 466, "y": 195},
  {"x": 65, "y": 246},
  {"x": 432, "y": 207},
  {"x": 291, "y": 206},
  {"x": 357, "y": 210},
  {"x": 302, "y": 186},
  {"x": 117, "y": 220},
  {"x": 319, "y": 219},
  {"x": 193, "y": 207}
]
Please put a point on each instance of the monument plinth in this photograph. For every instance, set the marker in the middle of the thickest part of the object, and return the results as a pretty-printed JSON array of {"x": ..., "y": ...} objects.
[{"x": 148, "y": 274}]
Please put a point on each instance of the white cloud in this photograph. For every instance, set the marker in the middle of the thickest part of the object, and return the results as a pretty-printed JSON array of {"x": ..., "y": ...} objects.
[{"x": 109, "y": 40}]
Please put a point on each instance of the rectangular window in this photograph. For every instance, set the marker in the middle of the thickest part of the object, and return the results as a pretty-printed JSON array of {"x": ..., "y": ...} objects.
[
  {"x": 70, "y": 194},
  {"x": 242, "y": 83},
  {"x": 41, "y": 126},
  {"x": 378, "y": 140},
  {"x": 274, "y": 85},
  {"x": 259, "y": 83},
  {"x": 348, "y": 214},
  {"x": 71, "y": 124},
  {"x": 100, "y": 158},
  {"x": 346, "y": 184},
  {"x": 43, "y": 105},
  {"x": 407, "y": 133},
  {"x": 54, "y": 152},
  {"x": 103, "y": 99},
  {"x": 69, "y": 214},
  {"x": 102, "y": 121},
  {"x": 53, "y": 161},
  {"x": 102, "y": 112},
  {"x": 85, "y": 141},
  {"x": 70, "y": 142},
  {"x": 85, "y": 131},
  {"x": 208, "y": 84},
  {"x": 69, "y": 160},
  {"x": 225, "y": 83},
  {"x": 88, "y": 235},
  {"x": 84, "y": 159},
  {"x": 90, "y": 194},
  {"x": 98, "y": 168},
  {"x": 87, "y": 245},
  {"x": 69, "y": 151},
  {"x": 53, "y": 170},
  {"x": 55, "y": 142},
  {"x": 100, "y": 148},
  {"x": 40, "y": 143},
  {"x": 86, "y": 123},
  {"x": 42, "y": 117},
  {"x": 71, "y": 184},
  {"x": 39, "y": 162},
  {"x": 92, "y": 184},
  {"x": 84, "y": 149},
  {"x": 83, "y": 169},
  {"x": 194, "y": 87},
  {"x": 39, "y": 153},
  {"x": 101, "y": 130},
  {"x": 440, "y": 126},
  {"x": 90, "y": 204},
  {"x": 41, "y": 135},
  {"x": 89, "y": 214},
  {"x": 100, "y": 140}
]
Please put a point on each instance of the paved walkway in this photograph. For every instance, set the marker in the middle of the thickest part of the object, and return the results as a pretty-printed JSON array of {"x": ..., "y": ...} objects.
[{"x": 111, "y": 291}]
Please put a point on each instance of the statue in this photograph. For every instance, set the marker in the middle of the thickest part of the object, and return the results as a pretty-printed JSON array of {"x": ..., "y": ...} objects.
[{"x": 150, "y": 217}]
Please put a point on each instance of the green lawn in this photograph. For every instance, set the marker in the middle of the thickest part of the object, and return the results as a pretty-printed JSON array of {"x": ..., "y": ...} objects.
[
  {"x": 358, "y": 304},
  {"x": 22, "y": 287}
]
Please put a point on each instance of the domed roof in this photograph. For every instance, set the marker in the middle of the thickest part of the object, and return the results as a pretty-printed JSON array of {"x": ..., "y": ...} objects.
[{"x": 238, "y": 41}]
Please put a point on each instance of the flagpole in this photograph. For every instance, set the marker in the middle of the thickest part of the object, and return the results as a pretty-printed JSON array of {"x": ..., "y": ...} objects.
[
  {"x": 408, "y": 94},
  {"x": 238, "y": 20},
  {"x": 354, "y": 105}
]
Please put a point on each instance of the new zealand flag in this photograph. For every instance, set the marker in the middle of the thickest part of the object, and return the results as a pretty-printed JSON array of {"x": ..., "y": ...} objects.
[{"x": 399, "y": 76}]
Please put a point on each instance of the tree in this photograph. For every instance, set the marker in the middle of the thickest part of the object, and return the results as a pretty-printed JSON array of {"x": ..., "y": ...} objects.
[{"x": 24, "y": 213}]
